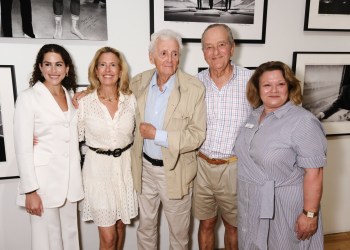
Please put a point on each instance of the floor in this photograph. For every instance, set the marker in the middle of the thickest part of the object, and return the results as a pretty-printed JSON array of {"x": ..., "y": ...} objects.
[{"x": 340, "y": 241}]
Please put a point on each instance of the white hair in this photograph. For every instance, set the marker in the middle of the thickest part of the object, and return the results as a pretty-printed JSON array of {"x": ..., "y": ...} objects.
[{"x": 165, "y": 34}]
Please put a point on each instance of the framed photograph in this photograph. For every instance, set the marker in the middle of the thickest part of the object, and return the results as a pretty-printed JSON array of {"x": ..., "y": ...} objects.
[
  {"x": 327, "y": 15},
  {"x": 247, "y": 19},
  {"x": 8, "y": 94},
  {"x": 325, "y": 80},
  {"x": 83, "y": 20},
  {"x": 83, "y": 148},
  {"x": 204, "y": 68}
]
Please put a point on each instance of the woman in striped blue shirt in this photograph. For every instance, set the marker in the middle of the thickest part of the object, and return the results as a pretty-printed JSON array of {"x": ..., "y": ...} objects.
[{"x": 281, "y": 153}]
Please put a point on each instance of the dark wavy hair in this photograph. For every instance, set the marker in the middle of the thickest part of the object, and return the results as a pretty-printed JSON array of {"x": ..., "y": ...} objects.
[
  {"x": 70, "y": 81},
  {"x": 294, "y": 88}
]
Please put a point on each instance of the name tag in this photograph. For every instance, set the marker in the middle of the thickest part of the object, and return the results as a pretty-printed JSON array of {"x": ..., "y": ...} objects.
[{"x": 249, "y": 125}]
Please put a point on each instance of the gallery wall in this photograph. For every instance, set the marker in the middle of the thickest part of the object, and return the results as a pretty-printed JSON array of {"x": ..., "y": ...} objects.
[{"x": 128, "y": 31}]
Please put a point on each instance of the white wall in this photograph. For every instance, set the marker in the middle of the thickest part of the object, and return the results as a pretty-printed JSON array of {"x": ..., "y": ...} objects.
[{"x": 128, "y": 29}]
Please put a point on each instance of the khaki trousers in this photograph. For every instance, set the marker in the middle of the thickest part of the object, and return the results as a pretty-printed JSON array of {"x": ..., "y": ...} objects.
[
  {"x": 56, "y": 229},
  {"x": 177, "y": 212}
]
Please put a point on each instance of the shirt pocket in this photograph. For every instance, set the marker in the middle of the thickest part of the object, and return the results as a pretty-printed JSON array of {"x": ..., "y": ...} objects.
[{"x": 180, "y": 120}]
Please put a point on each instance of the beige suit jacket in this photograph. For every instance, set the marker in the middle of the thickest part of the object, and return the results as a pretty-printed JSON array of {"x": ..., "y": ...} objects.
[
  {"x": 185, "y": 123},
  {"x": 52, "y": 167}
]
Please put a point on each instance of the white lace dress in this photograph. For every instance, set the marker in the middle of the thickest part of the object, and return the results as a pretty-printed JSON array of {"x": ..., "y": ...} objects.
[{"x": 108, "y": 185}]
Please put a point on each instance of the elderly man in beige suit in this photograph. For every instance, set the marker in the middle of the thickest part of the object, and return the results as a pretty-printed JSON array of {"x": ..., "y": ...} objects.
[{"x": 170, "y": 126}]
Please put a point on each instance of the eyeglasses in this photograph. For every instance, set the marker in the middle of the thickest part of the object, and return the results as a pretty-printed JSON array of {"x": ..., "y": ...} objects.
[{"x": 220, "y": 46}]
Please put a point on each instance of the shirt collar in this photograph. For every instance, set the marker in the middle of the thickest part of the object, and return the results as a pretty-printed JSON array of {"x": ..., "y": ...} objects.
[
  {"x": 169, "y": 84},
  {"x": 278, "y": 112}
]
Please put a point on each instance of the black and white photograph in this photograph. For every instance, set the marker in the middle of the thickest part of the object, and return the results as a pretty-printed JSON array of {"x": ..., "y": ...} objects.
[
  {"x": 334, "y": 7},
  {"x": 83, "y": 148},
  {"x": 8, "y": 93},
  {"x": 327, "y": 92},
  {"x": 56, "y": 19},
  {"x": 215, "y": 11},
  {"x": 2, "y": 141},
  {"x": 189, "y": 17},
  {"x": 326, "y": 88},
  {"x": 327, "y": 15}
]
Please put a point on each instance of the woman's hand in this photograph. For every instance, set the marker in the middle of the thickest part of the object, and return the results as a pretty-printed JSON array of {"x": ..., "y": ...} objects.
[
  {"x": 77, "y": 96},
  {"x": 34, "y": 205},
  {"x": 305, "y": 227}
]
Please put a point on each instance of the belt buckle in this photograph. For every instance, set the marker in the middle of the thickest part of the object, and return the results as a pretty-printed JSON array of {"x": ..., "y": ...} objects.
[{"x": 117, "y": 152}]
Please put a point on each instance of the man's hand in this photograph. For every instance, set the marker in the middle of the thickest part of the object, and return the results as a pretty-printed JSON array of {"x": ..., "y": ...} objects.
[
  {"x": 147, "y": 130},
  {"x": 77, "y": 96}
]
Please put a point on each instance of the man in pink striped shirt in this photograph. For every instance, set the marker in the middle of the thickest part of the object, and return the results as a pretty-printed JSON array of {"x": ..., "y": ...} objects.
[{"x": 227, "y": 110}]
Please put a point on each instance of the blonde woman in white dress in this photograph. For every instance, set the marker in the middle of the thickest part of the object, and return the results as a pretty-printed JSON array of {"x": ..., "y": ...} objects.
[{"x": 106, "y": 121}]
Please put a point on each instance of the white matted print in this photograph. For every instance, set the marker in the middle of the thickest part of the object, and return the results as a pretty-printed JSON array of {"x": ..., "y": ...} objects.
[
  {"x": 8, "y": 166},
  {"x": 325, "y": 79},
  {"x": 247, "y": 18},
  {"x": 327, "y": 15}
]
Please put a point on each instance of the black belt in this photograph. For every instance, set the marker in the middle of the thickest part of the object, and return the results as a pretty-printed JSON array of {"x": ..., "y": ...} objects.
[
  {"x": 115, "y": 153},
  {"x": 154, "y": 162}
]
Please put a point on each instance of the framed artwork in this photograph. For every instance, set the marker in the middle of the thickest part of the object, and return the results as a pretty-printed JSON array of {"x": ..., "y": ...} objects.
[
  {"x": 83, "y": 20},
  {"x": 247, "y": 19},
  {"x": 203, "y": 68},
  {"x": 82, "y": 146},
  {"x": 327, "y": 15},
  {"x": 8, "y": 93},
  {"x": 325, "y": 80}
]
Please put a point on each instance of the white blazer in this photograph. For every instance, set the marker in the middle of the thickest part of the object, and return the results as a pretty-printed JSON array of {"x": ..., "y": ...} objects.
[{"x": 52, "y": 167}]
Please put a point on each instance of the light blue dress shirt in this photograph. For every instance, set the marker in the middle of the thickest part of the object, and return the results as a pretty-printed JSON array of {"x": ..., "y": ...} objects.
[{"x": 156, "y": 106}]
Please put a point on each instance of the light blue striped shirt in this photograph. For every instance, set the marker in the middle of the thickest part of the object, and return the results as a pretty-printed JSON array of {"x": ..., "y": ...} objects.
[{"x": 156, "y": 105}]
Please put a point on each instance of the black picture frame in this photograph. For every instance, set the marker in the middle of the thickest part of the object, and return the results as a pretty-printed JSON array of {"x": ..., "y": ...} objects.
[
  {"x": 8, "y": 95},
  {"x": 191, "y": 31},
  {"x": 92, "y": 21},
  {"x": 323, "y": 76},
  {"x": 204, "y": 68},
  {"x": 82, "y": 145},
  {"x": 320, "y": 17}
]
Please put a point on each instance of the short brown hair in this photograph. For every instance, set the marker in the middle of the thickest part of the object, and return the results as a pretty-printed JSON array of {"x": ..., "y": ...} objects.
[
  {"x": 227, "y": 28},
  {"x": 294, "y": 88}
]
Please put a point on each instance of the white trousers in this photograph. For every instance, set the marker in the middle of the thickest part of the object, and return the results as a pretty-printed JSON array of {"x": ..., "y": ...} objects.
[{"x": 56, "y": 229}]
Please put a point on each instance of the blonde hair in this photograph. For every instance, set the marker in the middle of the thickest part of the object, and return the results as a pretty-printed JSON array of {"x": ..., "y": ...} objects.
[{"x": 123, "y": 81}]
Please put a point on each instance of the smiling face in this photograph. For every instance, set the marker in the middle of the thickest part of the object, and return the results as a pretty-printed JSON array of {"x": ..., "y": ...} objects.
[
  {"x": 53, "y": 69},
  {"x": 107, "y": 69},
  {"x": 165, "y": 57},
  {"x": 273, "y": 90},
  {"x": 217, "y": 48}
]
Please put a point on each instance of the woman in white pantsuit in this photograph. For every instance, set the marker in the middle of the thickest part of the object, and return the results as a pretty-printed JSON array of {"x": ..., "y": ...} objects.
[{"x": 50, "y": 175}]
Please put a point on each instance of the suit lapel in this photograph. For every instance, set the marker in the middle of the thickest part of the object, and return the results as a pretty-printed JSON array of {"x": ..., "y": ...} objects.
[
  {"x": 48, "y": 100},
  {"x": 145, "y": 83},
  {"x": 173, "y": 101},
  {"x": 71, "y": 109}
]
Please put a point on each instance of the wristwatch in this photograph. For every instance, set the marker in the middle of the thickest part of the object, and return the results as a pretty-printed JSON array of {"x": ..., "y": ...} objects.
[{"x": 310, "y": 214}]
